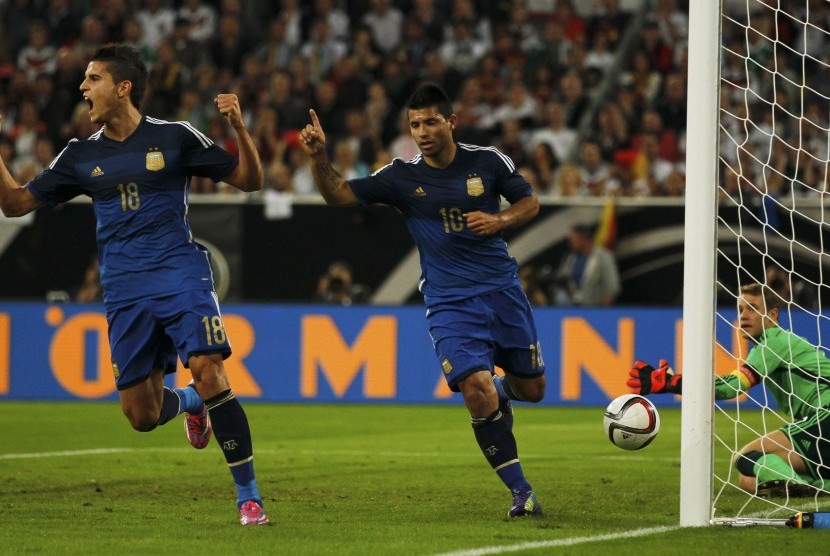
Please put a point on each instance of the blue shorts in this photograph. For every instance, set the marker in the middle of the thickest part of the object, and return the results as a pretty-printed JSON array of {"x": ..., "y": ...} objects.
[
  {"x": 476, "y": 333},
  {"x": 148, "y": 334}
]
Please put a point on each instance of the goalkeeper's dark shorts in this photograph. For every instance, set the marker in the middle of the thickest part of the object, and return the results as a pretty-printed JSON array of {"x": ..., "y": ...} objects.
[
  {"x": 811, "y": 440},
  {"x": 476, "y": 333}
]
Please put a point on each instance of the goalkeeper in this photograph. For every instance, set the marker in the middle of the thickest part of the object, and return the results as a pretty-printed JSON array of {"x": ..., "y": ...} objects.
[{"x": 795, "y": 459}]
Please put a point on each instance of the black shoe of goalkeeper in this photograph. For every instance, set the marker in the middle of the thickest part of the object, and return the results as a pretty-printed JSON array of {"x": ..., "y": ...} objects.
[{"x": 782, "y": 488}]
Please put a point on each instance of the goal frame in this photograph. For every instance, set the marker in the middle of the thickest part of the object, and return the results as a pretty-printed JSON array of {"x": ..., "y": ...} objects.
[{"x": 700, "y": 248}]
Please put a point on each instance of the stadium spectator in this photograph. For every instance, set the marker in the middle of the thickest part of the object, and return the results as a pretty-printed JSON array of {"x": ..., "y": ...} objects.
[
  {"x": 113, "y": 16},
  {"x": 650, "y": 169},
  {"x": 54, "y": 107},
  {"x": 267, "y": 135},
  {"x": 512, "y": 141},
  {"x": 321, "y": 51},
  {"x": 25, "y": 132},
  {"x": 278, "y": 177},
  {"x": 160, "y": 283},
  {"x": 338, "y": 20},
  {"x": 671, "y": 105},
  {"x": 600, "y": 56},
  {"x": 275, "y": 53},
  {"x": 189, "y": 53},
  {"x": 429, "y": 19},
  {"x": 471, "y": 108},
  {"x": 567, "y": 182},
  {"x": 337, "y": 286},
  {"x": 623, "y": 182},
  {"x": 594, "y": 171},
  {"x": 518, "y": 105},
  {"x": 641, "y": 78},
  {"x": 658, "y": 52},
  {"x": 229, "y": 46},
  {"x": 545, "y": 164},
  {"x": 385, "y": 22},
  {"x": 288, "y": 106},
  {"x": 437, "y": 71},
  {"x": 462, "y": 51},
  {"x": 522, "y": 27},
  {"x": 37, "y": 56},
  {"x": 62, "y": 22},
  {"x": 351, "y": 85},
  {"x": 132, "y": 34},
  {"x": 587, "y": 274},
  {"x": 673, "y": 25},
  {"x": 249, "y": 23},
  {"x": 365, "y": 53},
  {"x": 791, "y": 460},
  {"x": 574, "y": 100},
  {"x": 556, "y": 133},
  {"x": 475, "y": 275},
  {"x": 465, "y": 10},
  {"x": 202, "y": 19},
  {"x": 551, "y": 51},
  {"x": 573, "y": 26},
  {"x": 157, "y": 21},
  {"x": 166, "y": 82}
]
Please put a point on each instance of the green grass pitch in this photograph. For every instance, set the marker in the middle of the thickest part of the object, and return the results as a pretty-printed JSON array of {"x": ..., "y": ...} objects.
[{"x": 349, "y": 479}]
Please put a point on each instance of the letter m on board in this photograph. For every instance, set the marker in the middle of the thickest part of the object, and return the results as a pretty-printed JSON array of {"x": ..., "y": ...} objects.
[{"x": 326, "y": 354}]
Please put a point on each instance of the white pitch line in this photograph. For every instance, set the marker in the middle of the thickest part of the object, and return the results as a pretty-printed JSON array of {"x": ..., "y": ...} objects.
[
  {"x": 558, "y": 542},
  {"x": 312, "y": 452}
]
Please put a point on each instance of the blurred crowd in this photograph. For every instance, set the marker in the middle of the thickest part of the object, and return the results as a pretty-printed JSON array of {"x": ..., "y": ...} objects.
[{"x": 552, "y": 83}]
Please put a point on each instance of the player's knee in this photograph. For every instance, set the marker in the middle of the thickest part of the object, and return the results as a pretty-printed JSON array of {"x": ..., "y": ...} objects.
[
  {"x": 141, "y": 421},
  {"x": 143, "y": 425},
  {"x": 532, "y": 391},
  {"x": 745, "y": 462}
]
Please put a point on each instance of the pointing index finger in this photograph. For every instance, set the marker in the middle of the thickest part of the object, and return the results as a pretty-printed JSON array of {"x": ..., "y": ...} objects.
[{"x": 314, "y": 119}]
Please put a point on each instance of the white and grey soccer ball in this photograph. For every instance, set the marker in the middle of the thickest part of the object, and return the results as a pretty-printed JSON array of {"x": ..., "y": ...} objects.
[{"x": 631, "y": 422}]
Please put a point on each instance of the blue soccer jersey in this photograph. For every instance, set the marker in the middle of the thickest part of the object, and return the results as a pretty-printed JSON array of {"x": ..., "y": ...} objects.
[
  {"x": 139, "y": 190},
  {"x": 455, "y": 262}
]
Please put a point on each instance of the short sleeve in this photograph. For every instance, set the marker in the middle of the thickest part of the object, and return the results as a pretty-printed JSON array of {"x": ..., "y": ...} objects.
[
  {"x": 202, "y": 157},
  {"x": 58, "y": 183}
]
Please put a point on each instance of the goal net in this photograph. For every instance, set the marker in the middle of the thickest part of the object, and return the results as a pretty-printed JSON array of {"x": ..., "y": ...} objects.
[{"x": 773, "y": 156}]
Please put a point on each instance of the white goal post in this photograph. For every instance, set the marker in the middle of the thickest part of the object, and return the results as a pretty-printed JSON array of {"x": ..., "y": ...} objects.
[
  {"x": 758, "y": 178},
  {"x": 699, "y": 263}
]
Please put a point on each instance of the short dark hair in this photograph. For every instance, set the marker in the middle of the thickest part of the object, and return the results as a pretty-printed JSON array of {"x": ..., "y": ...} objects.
[
  {"x": 771, "y": 299},
  {"x": 125, "y": 64},
  {"x": 428, "y": 95}
]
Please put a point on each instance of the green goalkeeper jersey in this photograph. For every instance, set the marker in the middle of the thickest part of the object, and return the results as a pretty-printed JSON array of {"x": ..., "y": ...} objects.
[{"x": 796, "y": 373}]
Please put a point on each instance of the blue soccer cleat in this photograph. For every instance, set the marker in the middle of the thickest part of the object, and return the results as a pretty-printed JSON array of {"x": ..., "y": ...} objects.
[
  {"x": 197, "y": 428},
  {"x": 251, "y": 513},
  {"x": 524, "y": 503}
]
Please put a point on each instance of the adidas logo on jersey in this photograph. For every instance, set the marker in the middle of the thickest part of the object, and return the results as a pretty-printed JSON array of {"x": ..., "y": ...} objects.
[
  {"x": 96, "y": 172},
  {"x": 420, "y": 192}
]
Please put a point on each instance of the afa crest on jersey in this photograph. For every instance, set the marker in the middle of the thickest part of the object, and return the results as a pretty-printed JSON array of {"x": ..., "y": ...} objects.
[
  {"x": 475, "y": 186},
  {"x": 155, "y": 161}
]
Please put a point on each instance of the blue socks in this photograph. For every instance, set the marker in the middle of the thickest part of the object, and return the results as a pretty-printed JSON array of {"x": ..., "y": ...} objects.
[{"x": 230, "y": 427}]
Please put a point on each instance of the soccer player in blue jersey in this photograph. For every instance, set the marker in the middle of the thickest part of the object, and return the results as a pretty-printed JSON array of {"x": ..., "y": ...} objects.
[
  {"x": 158, "y": 287},
  {"x": 477, "y": 313}
]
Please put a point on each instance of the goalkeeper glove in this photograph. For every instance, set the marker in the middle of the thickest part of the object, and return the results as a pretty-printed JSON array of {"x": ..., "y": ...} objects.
[{"x": 645, "y": 379}]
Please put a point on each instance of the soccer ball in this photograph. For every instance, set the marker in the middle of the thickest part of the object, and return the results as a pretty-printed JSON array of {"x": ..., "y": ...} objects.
[{"x": 631, "y": 422}]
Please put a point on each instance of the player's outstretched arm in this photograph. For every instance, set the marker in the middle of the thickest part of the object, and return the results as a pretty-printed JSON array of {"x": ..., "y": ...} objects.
[
  {"x": 520, "y": 212},
  {"x": 248, "y": 173},
  {"x": 14, "y": 199},
  {"x": 645, "y": 379},
  {"x": 331, "y": 185}
]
